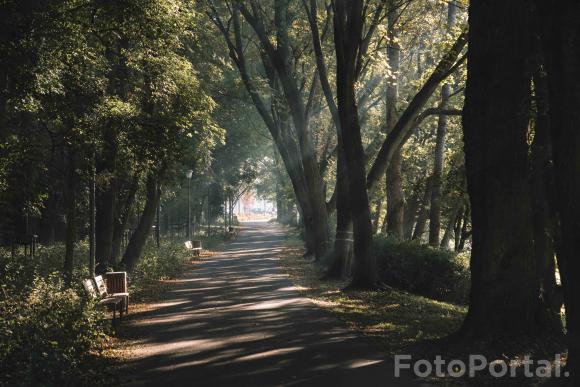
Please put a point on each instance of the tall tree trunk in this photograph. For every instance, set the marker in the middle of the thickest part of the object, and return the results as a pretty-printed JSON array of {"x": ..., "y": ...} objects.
[
  {"x": 348, "y": 24},
  {"x": 457, "y": 230},
  {"x": 406, "y": 123},
  {"x": 496, "y": 117},
  {"x": 435, "y": 211},
  {"x": 464, "y": 234},
  {"x": 377, "y": 216},
  {"x": 436, "y": 182},
  {"x": 291, "y": 157},
  {"x": 544, "y": 220},
  {"x": 452, "y": 221},
  {"x": 393, "y": 175},
  {"x": 280, "y": 207},
  {"x": 49, "y": 219},
  {"x": 395, "y": 197},
  {"x": 122, "y": 217},
  {"x": 139, "y": 237},
  {"x": 299, "y": 159},
  {"x": 71, "y": 217},
  {"x": 281, "y": 59},
  {"x": 106, "y": 197},
  {"x": 411, "y": 211},
  {"x": 343, "y": 243},
  {"x": 92, "y": 213},
  {"x": 423, "y": 213},
  {"x": 561, "y": 42}
]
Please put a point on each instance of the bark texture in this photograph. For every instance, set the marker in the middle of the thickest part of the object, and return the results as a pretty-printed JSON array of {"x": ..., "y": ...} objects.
[
  {"x": 437, "y": 177},
  {"x": 495, "y": 121},
  {"x": 407, "y": 122},
  {"x": 122, "y": 213},
  {"x": 343, "y": 242},
  {"x": 561, "y": 42},
  {"x": 393, "y": 176},
  {"x": 146, "y": 221},
  {"x": 105, "y": 203},
  {"x": 71, "y": 216},
  {"x": 289, "y": 129},
  {"x": 348, "y": 24},
  {"x": 543, "y": 214}
]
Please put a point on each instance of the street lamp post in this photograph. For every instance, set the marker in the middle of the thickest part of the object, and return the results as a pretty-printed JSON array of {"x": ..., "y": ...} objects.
[{"x": 189, "y": 174}]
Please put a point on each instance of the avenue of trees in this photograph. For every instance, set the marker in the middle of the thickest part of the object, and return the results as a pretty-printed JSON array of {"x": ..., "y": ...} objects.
[
  {"x": 448, "y": 123},
  {"x": 360, "y": 99}
]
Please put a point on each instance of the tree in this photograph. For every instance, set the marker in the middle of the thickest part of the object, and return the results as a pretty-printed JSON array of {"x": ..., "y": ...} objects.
[
  {"x": 407, "y": 121},
  {"x": 561, "y": 45},
  {"x": 393, "y": 178},
  {"x": 348, "y": 29},
  {"x": 81, "y": 72},
  {"x": 435, "y": 210},
  {"x": 289, "y": 127},
  {"x": 496, "y": 117}
]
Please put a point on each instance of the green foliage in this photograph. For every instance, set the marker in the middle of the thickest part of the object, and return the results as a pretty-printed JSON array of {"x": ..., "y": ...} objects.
[
  {"x": 18, "y": 273},
  {"x": 45, "y": 333},
  {"x": 396, "y": 318},
  {"x": 420, "y": 269},
  {"x": 159, "y": 263},
  {"x": 114, "y": 78}
]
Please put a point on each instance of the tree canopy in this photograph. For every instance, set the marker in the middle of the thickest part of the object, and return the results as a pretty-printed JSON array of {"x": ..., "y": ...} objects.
[{"x": 452, "y": 124}]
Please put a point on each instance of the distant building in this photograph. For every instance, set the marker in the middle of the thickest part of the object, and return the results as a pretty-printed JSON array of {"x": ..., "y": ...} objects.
[{"x": 251, "y": 207}]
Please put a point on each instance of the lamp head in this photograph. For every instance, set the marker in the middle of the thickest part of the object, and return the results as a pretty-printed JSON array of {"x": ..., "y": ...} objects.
[{"x": 189, "y": 174}]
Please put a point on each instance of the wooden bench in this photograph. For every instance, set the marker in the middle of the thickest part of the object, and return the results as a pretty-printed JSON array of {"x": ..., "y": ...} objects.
[
  {"x": 114, "y": 304},
  {"x": 116, "y": 286},
  {"x": 194, "y": 247},
  {"x": 232, "y": 232}
]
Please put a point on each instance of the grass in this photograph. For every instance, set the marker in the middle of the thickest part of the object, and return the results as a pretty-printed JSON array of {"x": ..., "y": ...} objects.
[
  {"x": 155, "y": 274},
  {"x": 398, "y": 319},
  {"x": 403, "y": 323}
]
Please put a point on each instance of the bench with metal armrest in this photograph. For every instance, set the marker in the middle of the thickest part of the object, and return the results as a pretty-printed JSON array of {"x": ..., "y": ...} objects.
[
  {"x": 232, "y": 232},
  {"x": 114, "y": 304},
  {"x": 115, "y": 285},
  {"x": 194, "y": 246}
]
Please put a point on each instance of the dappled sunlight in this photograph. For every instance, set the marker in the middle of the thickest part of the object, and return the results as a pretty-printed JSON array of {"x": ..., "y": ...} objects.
[
  {"x": 236, "y": 319},
  {"x": 397, "y": 318},
  {"x": 273, "y": 352}
]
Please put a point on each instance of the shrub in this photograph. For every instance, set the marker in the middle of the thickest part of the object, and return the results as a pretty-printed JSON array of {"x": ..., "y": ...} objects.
[
  {"x": 421, "y": 269},
  {"x": 46, "y": 330},
  {"x": 160, "y": 263},
  {"x": 18, "y": 272}
]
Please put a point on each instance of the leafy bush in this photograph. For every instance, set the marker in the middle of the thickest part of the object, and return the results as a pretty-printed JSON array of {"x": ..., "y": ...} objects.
[
  {"x": 19, "y": 272},
  {"x": 160, "y": 263},
  {"x": 420, "y": 269},
  {"x": 46, "y": 330}
]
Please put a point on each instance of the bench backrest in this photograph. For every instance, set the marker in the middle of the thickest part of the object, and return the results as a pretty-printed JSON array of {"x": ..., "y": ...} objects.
[
  {"x": 196, "y": 244},
  {"x": 116, "y": 282},
  {"x": 90, "y": 288},
  {"x": 101, "y": 286}
]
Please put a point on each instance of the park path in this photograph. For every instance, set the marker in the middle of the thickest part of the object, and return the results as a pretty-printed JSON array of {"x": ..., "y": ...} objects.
[{"x": 236, "y": 320}]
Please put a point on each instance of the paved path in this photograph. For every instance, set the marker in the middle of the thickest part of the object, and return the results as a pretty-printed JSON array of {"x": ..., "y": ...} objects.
[{"x": 236, "y": 320}]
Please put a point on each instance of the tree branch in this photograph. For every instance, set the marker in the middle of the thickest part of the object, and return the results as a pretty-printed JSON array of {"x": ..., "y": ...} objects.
[{"x": 406, "y": 122}]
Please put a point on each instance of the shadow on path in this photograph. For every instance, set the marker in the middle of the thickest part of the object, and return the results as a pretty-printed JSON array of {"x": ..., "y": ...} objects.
[{"x": 236, "y": 320}]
